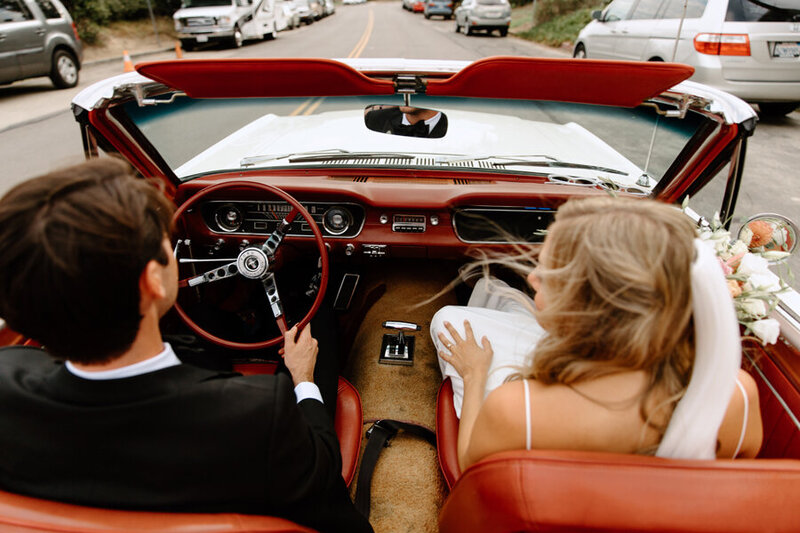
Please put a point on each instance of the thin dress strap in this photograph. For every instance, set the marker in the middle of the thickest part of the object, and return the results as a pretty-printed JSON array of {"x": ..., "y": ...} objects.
[
  {"x": 744, "y": 418},
  {"x": 527, "y": 415}
]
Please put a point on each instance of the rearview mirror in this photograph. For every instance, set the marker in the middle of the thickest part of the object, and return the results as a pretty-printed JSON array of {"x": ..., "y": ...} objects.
[
  {"x": 769, "y": 232},
  {"x": 597, "y": 15},
  {"x": 405, "y": 120}
]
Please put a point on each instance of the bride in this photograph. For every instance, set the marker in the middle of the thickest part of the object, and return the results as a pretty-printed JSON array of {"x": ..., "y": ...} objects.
[{"x": 631, "y": 344}]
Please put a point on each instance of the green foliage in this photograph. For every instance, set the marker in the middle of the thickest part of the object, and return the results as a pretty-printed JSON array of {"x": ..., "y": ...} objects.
[
  {"x": 560, "y": 21},
  {"x": 91, "y": 15},
  {"x": 547, "y": 10}
]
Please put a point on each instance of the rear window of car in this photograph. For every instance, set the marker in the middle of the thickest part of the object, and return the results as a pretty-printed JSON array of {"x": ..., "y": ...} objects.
[
  {"x": 50, "y": 11},
  {"x": 763, "y": 11},
  {"x": 673, "y": 9},
  {"x": 13, "y": 11}
]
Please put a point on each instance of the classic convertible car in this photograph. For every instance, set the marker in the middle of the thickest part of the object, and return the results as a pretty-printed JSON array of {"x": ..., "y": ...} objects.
[{"x": 301, "y": 178}]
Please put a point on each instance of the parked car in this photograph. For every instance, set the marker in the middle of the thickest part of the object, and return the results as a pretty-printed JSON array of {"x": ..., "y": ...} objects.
[
  {"x": 38, "y": 38},
  {"x": 386, "y": 223},
  {"x": 438, "y": 7},
  {"x": 308, "y": 10},
  {"x": 418, "y": 6},
  {"x": 353, "y": 2},
  {"x": 408, "y": 4},
  {"x": 287, "y": 16},
  {"x": 483, "y": 15},
  {"x": 328, "y": 7},
  {"x": 750, "y": 48},
  {"x": 225, "y": 21}
]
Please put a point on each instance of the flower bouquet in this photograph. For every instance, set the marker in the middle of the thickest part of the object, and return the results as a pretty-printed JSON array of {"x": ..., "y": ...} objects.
[{"x": 752, "y": 285}]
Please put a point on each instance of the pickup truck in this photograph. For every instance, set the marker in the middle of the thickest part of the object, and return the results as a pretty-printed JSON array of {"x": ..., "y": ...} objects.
[{"x": 227, "y": 21}]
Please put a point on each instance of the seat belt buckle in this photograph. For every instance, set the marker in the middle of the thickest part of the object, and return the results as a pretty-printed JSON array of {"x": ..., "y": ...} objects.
[{"x": 390, "y": 431}]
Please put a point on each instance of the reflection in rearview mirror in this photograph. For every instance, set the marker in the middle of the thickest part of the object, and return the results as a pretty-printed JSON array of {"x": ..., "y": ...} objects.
[
  {"x": 769, "y": 233},
  {"x": 407, "y": 121}
]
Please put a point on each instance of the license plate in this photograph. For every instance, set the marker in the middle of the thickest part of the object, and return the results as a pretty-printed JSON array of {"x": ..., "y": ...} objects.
[
  {"x": 789, "y": 50},
  {"x": 493, "y": 14},
  {"x": 202, "y": 38}
]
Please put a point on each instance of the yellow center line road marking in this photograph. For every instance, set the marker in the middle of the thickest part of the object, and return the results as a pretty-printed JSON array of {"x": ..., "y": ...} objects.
[
  {"x": 362, "y": 43},
  {"x": 309, "y": 106},
  {"x": 313, "y": 107}
]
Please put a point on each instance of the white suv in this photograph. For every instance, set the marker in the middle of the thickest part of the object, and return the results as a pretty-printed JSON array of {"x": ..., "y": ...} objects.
[{"x": 749, "y": 48}]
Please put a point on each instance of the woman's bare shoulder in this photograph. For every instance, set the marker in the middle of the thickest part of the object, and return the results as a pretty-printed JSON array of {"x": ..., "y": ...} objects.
[{"x": 730, "y": 431}]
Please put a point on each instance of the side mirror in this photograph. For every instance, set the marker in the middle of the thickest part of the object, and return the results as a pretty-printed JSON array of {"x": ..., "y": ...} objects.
[
  {"x": 769, "y": 232},
  {"x": 597, "y": 15}
]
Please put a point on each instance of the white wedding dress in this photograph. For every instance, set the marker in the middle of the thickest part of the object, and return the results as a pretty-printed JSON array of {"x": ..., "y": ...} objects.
[{"x": 504, "y": 316}]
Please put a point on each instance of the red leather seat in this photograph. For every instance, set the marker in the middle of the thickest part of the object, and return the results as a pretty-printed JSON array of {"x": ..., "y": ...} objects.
[
  {"x": 20, "y": 514},
  {"x": 551, "y": 490}
]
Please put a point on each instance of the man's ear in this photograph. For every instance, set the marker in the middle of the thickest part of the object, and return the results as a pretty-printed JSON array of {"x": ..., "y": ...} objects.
[{"x": 151, "y": 282}]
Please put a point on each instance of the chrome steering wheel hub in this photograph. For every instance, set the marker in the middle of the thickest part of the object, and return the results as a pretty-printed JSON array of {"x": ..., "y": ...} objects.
[{"x": 252, "y": 263}]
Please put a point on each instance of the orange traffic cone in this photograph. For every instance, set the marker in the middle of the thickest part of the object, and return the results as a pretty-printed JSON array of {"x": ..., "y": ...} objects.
[
  {"x": 178, "y": 50},
  {"x": 126, "y": 62}
]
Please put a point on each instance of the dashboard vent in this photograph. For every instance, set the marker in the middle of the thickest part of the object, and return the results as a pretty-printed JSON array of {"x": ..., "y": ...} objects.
[{"x": 360, "y": 179}]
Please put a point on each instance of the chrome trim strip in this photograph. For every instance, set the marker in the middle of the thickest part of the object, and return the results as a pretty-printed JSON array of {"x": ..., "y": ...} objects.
[{"x": 775, "y": 393}]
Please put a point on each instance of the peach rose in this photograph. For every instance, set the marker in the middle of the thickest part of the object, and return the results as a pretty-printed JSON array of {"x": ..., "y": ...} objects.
[
  {"x": 734, "y": 288},
  {"x": 762, "y": 233}
]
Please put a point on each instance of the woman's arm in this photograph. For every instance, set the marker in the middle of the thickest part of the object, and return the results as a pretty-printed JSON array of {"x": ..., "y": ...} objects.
[{"x": 472, "y": 362}]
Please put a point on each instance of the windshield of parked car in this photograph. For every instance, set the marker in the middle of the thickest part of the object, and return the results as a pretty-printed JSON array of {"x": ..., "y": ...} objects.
[
  {"x": 632, "y": 148},
  {"x": 205, "y": 3}
]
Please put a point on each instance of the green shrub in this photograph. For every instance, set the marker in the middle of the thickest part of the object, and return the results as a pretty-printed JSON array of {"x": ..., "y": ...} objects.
[
  {"x": 559, "y": 29},
  {"x": 91, "y": 15}
]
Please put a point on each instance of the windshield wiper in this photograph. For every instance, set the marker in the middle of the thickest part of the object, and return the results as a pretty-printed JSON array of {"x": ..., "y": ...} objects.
[
  {"x": 333, "y": 154},
  {"x": 537, "y": 160}
]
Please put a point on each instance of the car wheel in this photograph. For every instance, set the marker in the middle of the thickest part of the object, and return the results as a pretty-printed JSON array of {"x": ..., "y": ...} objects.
[
  {"x": 580, "y": 52},
  {"x": 777, "y": 109},
  {"x": 503, "y": 32},
  {"x": 238, "y": 39},
  {"x": 64, "y": 70},
  {"x": 273, "y": 34},
  {"x": 467, "y": 28},
  {"x": 427, "y": 16},
  {"x": 187, "y": 45},
  {"x": 458, "y": 28}
]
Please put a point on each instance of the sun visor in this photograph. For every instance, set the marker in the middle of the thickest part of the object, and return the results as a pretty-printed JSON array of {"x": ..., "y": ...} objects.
[
  {"x": 585, "y": 81},
  {"x": 253, "y": 78},
  {"x": 617, "y": 83}
]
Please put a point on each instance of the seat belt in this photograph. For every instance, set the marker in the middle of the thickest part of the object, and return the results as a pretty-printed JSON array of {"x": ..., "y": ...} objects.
[{"x": 379, "y": 437}]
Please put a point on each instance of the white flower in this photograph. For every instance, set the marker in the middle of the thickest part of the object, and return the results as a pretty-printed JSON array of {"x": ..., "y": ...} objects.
[
  {"x": 752, "y": 307},
  {"x": 746, "y": 234},
  {"x": 753, "y": 264},
  {"x": 738, "y": 248},
  {"x": 767, "y": 330}
]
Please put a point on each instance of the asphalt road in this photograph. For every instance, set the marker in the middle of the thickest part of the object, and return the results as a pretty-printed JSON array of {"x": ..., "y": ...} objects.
[{"x": 38, "y": 133}]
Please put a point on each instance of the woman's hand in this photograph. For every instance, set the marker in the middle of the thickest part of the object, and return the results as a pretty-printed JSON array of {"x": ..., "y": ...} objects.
[
  {"x": 467, "y": 357},
  {"x": 300, "y": 355}
]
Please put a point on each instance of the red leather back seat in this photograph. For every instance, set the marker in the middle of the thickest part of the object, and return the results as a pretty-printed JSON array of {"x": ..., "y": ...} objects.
[
  {"x": 22, "y": 514},
  {"x": 550, "y": 490}
]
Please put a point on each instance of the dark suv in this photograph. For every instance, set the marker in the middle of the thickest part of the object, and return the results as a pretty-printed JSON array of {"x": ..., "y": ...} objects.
[{"x": 38, "y": 38}]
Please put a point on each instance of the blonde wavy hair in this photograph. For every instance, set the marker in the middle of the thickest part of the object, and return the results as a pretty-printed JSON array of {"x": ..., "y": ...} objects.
[{"x": 617, "y": 279}]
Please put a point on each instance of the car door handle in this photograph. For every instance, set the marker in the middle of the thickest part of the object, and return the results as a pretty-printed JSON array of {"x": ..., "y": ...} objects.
[
  {"x": 2, "y": 36},
  {"x": 41, "y": 31}
]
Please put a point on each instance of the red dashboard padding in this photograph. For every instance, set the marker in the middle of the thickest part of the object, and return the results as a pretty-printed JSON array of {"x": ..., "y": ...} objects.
[
  {"x": 447, "y": 434},
  {"x": 588, "y": 81},
  {"x": 253, "y": 78},
  {"x": 21, "y": 514},
  {"x": 543, "y": 490}
]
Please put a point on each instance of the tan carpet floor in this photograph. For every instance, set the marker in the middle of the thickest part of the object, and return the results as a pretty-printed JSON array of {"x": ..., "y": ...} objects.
[{"x": 407, "y": 485}]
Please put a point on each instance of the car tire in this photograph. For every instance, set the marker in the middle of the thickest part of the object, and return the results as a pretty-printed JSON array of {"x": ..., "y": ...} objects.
[
  {"x": 776, "y": 109},
  {"x": 187, "y": 44},
  {"x": 238, "y": 39},
  {"x": 580, "y": 52},
  {"x": 271, "y": 36},
  {"x": 503, "y": 32},
  {"x": 64, "y": 70},
  {"x": 467, "y": 28},
  {"x": 458, "y": 28}
]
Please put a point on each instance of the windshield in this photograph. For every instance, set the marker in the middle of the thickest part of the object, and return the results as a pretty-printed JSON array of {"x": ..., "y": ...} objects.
[
  {"x": 205, "y": 3},
  {"x": 629, "y": 147}
]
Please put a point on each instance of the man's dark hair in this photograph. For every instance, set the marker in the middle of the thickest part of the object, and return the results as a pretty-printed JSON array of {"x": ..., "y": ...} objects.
[{"x": 73, "y": 245}]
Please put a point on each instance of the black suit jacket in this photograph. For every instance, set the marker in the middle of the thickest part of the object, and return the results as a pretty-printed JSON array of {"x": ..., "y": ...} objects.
[
  {"x": 390, "y": 120},
  {"x": 178, "y": 439}
]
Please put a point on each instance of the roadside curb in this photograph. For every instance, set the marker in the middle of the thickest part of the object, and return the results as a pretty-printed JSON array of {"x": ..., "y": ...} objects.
[{"x": 133, "y": 56}]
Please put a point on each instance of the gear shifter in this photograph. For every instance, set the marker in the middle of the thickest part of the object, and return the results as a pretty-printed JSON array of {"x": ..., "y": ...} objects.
[{"x": 398, "y": 349}]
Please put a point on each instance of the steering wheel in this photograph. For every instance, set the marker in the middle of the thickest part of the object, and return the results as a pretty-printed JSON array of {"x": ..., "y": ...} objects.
[{"x": 256, "y": 262}]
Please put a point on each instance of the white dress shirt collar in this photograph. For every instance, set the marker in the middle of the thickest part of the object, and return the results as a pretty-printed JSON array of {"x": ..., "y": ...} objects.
[{"x": 165, "y": 359}]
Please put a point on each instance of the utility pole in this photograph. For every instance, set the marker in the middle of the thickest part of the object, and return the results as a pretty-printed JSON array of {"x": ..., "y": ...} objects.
[
  {"x": 533, "y": 17},
  {"x": 153, "y": 20}
]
